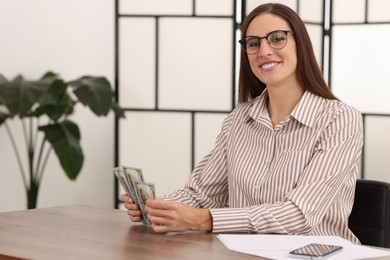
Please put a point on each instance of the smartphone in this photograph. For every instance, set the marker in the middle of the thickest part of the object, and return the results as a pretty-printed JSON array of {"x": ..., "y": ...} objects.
[{"x": 315, "y": 251}]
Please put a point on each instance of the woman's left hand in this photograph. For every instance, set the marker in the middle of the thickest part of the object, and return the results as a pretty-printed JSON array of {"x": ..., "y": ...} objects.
[{"x": 172, "y": 216}]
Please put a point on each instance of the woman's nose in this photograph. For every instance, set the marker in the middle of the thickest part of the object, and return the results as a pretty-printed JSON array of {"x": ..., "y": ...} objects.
[{"x": 264, "y": 48}]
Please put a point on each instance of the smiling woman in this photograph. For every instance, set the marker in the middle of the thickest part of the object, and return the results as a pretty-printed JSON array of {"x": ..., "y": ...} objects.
[{"x": 277, "y": 161}]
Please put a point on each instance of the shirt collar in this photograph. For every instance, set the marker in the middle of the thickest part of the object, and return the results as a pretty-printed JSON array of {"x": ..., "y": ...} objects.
[
  {"x": 304, "y": 112},
  {"x": 259, "y": 108},
  {"x": 307, "y": 109}
]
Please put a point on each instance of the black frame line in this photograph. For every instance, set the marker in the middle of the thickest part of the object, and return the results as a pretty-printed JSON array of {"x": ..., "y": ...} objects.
[
  {"x": 116, "y": 86},
  {"x": 193, "y": 139},
  {"x": 156, "y": 64},
  {"x": 330, "y": 38}
]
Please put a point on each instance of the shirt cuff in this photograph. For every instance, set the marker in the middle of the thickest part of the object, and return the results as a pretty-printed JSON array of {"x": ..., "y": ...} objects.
[{"x": 230, "y": 220}]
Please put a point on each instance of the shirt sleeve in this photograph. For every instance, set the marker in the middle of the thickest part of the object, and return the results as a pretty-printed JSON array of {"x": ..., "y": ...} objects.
[{"x": 330, "y": 176}]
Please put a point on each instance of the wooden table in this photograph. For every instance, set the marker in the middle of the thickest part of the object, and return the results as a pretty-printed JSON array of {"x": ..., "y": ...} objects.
[{"x": 82, "y": 232}]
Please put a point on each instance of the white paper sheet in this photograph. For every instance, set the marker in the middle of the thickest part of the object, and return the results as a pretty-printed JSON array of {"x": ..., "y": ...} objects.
[{"x": 278, "y": 246}]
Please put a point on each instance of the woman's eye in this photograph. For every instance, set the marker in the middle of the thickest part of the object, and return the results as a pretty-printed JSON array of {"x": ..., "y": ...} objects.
[
  {"x": 253, "y": 44},
  {"x": 277, "y": 38}
]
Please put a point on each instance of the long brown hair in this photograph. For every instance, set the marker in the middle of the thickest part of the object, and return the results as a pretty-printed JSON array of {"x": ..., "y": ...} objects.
[{"x": 308, "y": 72}]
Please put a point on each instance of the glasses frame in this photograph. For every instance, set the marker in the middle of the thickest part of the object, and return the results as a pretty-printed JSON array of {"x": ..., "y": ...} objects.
[{"x": 244, "y": 40}]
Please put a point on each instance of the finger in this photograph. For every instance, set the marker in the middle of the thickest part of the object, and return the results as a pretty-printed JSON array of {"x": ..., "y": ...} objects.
[
  {"x": 161, "y": 204},
  {"x": 135, "y": 218},
  {"x": 131, "y": 206},
  {"x": 157, "y": 227},
  {"x": 134, "y": 213},
  {"x": 159, "y": 224},
  {"x": 159, "y": 221},
  {"x": 160, "y": 213},
  {"x": 124, "y": 197},
  {"x": 168, "y": 211},
  {"x": 160, "y": 228}
]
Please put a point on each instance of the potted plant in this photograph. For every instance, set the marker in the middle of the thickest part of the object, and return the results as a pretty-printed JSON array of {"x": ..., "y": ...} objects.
[{"x": 44, "y": 107}]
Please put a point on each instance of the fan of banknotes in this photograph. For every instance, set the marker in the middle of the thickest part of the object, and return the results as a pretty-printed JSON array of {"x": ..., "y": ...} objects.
[{"x": 132, "y": 181}]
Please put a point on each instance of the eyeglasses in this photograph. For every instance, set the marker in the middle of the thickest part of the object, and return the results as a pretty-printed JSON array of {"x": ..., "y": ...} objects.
[{"x": 276, "y": 39}]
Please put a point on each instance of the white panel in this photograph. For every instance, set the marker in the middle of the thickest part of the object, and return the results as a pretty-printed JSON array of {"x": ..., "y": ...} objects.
[
  {"x": 315, "y": 32},
  {"x": 360, "y": 66},
  {"x": 207, "y": 127},
  {"x": 325, "y": 62},
  {"x": 160, "y": 144},
  {"x": 377, "y": 142},
  {"x": 348, "y": 11},
  {"x": 195, "y": 63},
  {"x": 378, "y": 11},
  {"x": 214, "y": 7},
  {"x": 137, "y": 51},
  {"x": 252, "y": 4},
  {"x": 155, "y": 7},
  {"x": 311, "y": 10}
]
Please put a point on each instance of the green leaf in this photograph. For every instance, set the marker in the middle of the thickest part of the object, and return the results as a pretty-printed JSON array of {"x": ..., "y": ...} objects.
[
  {"x": 30, "y": 93},
  {"x": 54, "y": 93},
  {"x": 19, "y": 95},
  {"x": 94, "y": 92},
  {"x": 3, "y": 82},
  {"x": 49, "y": 75},
  {"x": 65, "y": 139},
  {"x": 10, "y": 92},
  {"x": 55, "y": 102},
  {"x": 53, "y": 111}
]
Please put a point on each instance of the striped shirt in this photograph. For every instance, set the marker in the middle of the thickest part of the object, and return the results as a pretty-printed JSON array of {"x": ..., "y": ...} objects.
[{"x": 295, "y": 178}]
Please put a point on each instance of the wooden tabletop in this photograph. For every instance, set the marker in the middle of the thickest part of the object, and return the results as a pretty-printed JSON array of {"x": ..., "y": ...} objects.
[{"x": 83, "y": 232}]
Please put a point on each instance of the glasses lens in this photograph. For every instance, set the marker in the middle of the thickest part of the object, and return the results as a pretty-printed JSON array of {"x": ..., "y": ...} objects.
[
  {"x": 252, "y": 45},
  {"x": 277, "y": 39}
]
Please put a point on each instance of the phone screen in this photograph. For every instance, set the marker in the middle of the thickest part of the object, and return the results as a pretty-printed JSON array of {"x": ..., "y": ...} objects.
[{"x": 315, "y": 251}]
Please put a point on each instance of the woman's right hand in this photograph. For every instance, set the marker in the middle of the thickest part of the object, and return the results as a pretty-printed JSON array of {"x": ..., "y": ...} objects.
[{"x": 133, "y": 210}]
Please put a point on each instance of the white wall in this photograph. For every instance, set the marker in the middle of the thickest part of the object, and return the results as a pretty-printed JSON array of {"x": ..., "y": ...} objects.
[{"x": 72, "y": 38}]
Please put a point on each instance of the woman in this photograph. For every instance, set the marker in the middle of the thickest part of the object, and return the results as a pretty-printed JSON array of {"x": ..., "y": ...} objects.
[{"x": 287, "y": 158}]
